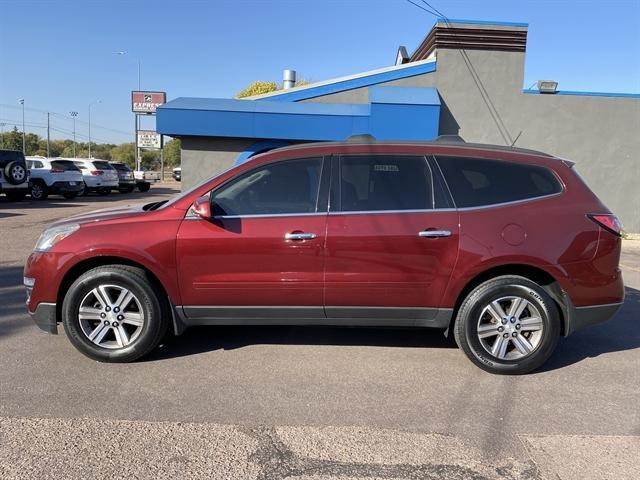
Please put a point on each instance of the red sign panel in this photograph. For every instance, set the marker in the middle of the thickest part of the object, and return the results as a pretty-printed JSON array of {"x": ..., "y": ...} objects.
[{"x": 147, "y": 102}]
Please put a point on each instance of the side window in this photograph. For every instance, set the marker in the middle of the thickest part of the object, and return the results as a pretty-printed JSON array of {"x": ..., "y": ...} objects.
[
  {"x": 476, "y": 182},
  {"x": 385, "y": 182},
  {"x": 38, "y": 164},
  {"x": 286, "y": 187}
]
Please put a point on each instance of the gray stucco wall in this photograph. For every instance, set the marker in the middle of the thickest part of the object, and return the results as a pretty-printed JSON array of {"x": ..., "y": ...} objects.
[
  {"x": 202, "y": 157},
  {"x": 482, "y": 100}
]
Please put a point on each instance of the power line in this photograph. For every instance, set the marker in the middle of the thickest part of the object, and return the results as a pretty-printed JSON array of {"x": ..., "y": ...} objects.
[
  {"x": 68, "y": 118},
  {"x": 493, "y": 111}
]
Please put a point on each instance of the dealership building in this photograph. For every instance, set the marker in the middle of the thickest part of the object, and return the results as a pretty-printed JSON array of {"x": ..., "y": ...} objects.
[{"x": 465, "y": 78}]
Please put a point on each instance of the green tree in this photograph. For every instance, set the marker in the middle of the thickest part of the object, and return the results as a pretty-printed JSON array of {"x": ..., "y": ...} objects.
[
  {"x": 258, "y": 88},
  {"x": 172, "y": 152},
  {"x": 13, "y": 140},
  {"x": 125, "y": 152}
]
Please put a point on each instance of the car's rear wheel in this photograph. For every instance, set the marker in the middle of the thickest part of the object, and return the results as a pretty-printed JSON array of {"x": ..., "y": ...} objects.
[
  {"x": 144, "y": 187},
  {"x": 114, "y": 313},
  {"x": 39, "y": 190},
  {"x": 508, "y": 325},
  {"x": 83, "y": 190}
]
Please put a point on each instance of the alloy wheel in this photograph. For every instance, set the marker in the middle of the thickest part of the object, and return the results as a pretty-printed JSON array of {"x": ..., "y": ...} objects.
[
  {"x": 510, "y": 328},
  {"x": 111, "y": 316}
]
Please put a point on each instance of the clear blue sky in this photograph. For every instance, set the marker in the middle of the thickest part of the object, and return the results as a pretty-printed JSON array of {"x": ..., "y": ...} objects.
[{"x": 57, "y": 54}]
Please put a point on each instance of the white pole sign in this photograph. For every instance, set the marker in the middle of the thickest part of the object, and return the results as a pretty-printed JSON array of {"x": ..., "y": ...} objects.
[{"x": 149, "y": 139}]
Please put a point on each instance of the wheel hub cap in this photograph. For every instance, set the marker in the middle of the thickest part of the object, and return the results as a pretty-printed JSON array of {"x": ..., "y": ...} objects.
[
  {"x": 111, "y": 316},
  {"x": 510, "y": 328}
]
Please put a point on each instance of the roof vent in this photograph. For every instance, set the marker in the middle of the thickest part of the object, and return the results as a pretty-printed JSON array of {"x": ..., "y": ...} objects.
[
  {"x": 361, "y": 138},
  {"x": 449, "y": 139},
  {"x": 288, "y": 79}
]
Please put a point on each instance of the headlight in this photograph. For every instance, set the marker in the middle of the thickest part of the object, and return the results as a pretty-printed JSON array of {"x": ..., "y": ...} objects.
[{"x": 53, "y": 235}]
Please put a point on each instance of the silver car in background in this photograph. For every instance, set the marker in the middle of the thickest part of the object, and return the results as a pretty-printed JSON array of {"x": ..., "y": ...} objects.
[{"x": 98, "y": 175}]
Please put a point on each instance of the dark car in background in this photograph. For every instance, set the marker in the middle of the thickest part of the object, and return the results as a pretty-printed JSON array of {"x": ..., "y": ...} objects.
[
  {"x": 14, "y": 174},
  {"x": 126, "y": 178}
]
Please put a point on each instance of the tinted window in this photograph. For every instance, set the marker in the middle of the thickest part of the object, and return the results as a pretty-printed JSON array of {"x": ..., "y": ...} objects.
[
  {"x": 120, "y": 167},
  {"x": 475, "y": 182},
  {"x": 285, "y": 187},
  {"x": 385, "y": 182},
  {"x": 102, "y": 165},
  {"x": 64, "y": 165},
  {"x": 7, "y": 156}
]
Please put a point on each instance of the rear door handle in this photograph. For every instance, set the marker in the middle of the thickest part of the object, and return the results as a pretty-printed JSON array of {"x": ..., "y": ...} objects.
[
  {"x": 434, "y": 233},
  {"x": 300, "y": 236}
]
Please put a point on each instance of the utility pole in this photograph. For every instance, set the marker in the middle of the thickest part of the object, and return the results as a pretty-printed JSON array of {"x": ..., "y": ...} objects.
[
  {"x": 48, "y": 134},
  {"x": 73, "y": 116},
  {"x": 24, "y": 138},
  {"x": 2, "y": 124}
]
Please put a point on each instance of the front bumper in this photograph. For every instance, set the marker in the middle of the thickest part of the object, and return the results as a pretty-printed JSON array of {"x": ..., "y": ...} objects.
[{"x": 45, "y": 317}]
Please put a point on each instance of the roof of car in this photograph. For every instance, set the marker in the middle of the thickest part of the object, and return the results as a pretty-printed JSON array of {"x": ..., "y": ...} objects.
[{"x": 444, "y": 140}]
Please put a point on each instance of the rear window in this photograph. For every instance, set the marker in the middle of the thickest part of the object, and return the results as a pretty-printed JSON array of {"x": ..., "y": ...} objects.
[
  {"x": 7, "y": 156},
  {"x": 67, "y": 165},
  {"x": 121, "y": 167},
  {"x": 477, "y": 182},
  {"x": 102, "y": 165}
]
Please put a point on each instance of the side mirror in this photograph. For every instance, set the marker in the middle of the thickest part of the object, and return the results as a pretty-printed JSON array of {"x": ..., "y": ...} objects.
[{"x": 202, "y": 207}]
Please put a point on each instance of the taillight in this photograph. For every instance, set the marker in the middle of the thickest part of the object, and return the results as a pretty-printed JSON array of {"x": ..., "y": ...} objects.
[
  {"x": 608, "y": 221},
  {"x": 55, "y": 170},
  {"x": 97, "y": 172}
]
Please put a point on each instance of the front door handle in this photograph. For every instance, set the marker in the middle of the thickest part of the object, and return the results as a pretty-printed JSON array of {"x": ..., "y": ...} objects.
[
  {"x": 300, "y": 236},
  {"x": 434, "y": 233}
]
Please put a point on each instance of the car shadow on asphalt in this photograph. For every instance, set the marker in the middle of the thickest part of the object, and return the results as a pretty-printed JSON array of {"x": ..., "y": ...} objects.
[
  {"x": 619, "y": 334},
  {"x": 56, "y": 201}
]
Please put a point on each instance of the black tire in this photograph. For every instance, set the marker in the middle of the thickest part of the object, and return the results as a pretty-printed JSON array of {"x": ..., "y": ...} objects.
[
  {"x": 84, "y": 190},
  {"x": 15, "y": 173},
  {"x": 70, "y": 195},
  {"x": 16, "y": 196},
  {"x": 144, "y": 187},
  {"x": 104, "y": 191},
  {"x": 152, "y": 303},
  {"x": 469, "y": 314},
  {"x": 39, "y": 190}
]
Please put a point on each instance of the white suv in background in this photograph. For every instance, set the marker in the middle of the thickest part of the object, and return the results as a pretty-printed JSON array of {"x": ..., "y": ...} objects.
[
  {"x": 99, "y": 176},
  {"x": 54, "y": 176}
]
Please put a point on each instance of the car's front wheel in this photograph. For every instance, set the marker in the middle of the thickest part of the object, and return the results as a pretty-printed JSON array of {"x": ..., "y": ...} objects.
[
  {"x": 114, "y": 313},
  {"x": 508, "y": 325},
  {"x": 39, "y": 190}
]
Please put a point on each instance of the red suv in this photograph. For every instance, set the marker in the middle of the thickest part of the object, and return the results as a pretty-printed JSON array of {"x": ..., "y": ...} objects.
[{"x": 506, "y": 248}]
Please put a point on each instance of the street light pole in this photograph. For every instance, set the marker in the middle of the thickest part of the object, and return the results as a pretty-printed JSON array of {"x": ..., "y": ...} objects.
[
  {"x": 136, "y": 119},
  {"x": 73, "y": 116},
  {"x": 97, "y": 101},
  {"x": 24, "y": 141}
]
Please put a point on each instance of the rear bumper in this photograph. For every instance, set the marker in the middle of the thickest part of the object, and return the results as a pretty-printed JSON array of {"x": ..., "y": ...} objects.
[
  {"x": 62, "y": 187},
  {"x": 581, "y": 317},
  {"x": 45, "y": 317}
]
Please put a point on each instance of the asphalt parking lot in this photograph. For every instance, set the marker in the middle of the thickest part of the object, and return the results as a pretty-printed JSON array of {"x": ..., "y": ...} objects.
[{"x": 306, "y": 403}]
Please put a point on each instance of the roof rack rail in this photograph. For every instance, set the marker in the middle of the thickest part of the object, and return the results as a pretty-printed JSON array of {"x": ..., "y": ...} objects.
[
  {"x": 449, "y": 139},
  {"x": 360, "y": 138}
]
